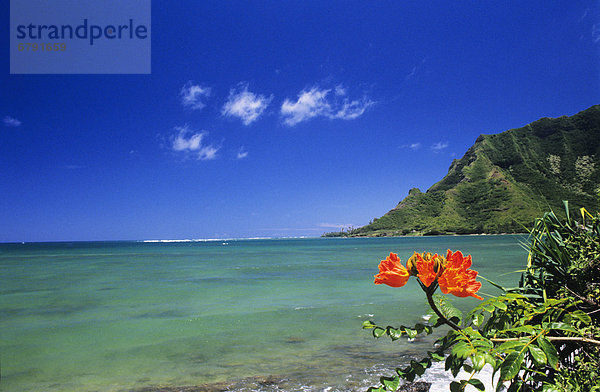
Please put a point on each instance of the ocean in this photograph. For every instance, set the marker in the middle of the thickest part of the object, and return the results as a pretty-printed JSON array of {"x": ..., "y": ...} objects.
[{"x": 243, "y": 315}]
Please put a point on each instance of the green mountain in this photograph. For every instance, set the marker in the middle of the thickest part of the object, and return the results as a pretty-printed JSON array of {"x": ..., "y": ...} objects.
[{"x": 505, "y": 181}]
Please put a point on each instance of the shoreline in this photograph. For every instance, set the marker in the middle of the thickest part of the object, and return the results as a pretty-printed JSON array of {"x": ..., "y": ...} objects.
[
  {"x": 193, "y": 240},
  {"x": 435, "y": 379},
  {"x": 423, "y": 235}
]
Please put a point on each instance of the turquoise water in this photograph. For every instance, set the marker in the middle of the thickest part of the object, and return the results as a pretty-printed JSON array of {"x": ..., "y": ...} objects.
[{"x": 272, "y": 315}]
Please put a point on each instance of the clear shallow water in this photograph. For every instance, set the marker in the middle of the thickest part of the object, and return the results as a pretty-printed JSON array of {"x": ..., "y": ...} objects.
[{"x": 259, "y": 314}]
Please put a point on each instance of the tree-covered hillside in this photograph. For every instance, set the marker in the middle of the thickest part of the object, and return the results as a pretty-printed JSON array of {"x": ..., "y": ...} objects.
[{"x": 505, "y": 181}]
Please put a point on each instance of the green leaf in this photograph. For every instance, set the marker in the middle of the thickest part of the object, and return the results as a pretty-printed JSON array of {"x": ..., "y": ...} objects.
[
  {"x": 446, "y": 308},
  {"x": 378, "y": 332},
  {"x": 581, "y": 316},
  {"x": 373, "y": 389},
  {"x": 448, "y": 363},
  {"x": 493, "y": 284},
  {"x": 477, "y": 384},
  {"x": 436, "y": 356},
  {"x": 500, "y": 387},
  {"x": 489, "y": 358},
  {"x": 511, "y": 345},
  {"x": 368, "y": 324},
  {"x": 411, "y": 333},
  {"x": 434, "y": 319},
  {"x": 538, "y": 355},
  {"x": 390, "y": 383},
  {"x": 500, "y": 305},
  {"x": 523, "y": 329},
  {"x": 471, "y": 333},
  {"x": 394, "y": 333},
  {"x": 454, "y": 364},
  {"x": 478, "y": 319},
  {"x": 511, "y": 365},
  {"x": 401, "y": 372},
  {"x": 410, "y": 374},
  {"x": 426, "y": 363},
  {"x": 455, "y": 386},
  {"x": 462, "y": 350},
  {"x": 478, "y": 360},
  {"x": 550, "y": 388},
  {"x": 561, "y": 326},
  {"x": 549, "y": 350},
  {"x": 418, "y": 368},
  {"x": 483, "y": 344}
]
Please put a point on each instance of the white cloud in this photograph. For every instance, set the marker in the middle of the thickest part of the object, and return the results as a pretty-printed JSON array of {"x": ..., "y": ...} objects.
[
  {"x": 340, "y": 90},
  {"x": 245, "y": 104},
  {"x": 596, "y": 33},
  {"x": 439, "y": 146},
  {"x": 416, "y": 70},
  {"x": 192, "y": 95},
  {"x": 242, "y": 153},
  {"x": 315, "y": 103},
  {"x": 585, "y": 13},
  {"x": 11, "y": 121},
  {"x": 207, "y": 153},
  {"x": 413, "y": 146},
  {"x": 352, "y": 109},
  {"x": 189, "y": 142},
  {"x": 309, "y": 104}
]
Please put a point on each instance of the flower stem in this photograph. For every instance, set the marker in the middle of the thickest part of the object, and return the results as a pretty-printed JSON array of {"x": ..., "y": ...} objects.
[{"x": 429, "y": 293}]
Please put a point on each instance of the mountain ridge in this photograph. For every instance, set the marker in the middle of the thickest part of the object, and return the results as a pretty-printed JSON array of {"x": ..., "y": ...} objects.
[{"x": 504, "y": 181}]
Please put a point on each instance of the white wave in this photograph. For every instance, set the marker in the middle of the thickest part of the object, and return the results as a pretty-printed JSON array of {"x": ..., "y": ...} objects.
[
  {"x": 440, "y": 379},
  {"x": 208, "y": 239}
]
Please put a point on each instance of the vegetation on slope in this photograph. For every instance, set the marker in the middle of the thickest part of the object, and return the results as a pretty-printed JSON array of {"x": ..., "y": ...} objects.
[{"x": 504, "y": 181}]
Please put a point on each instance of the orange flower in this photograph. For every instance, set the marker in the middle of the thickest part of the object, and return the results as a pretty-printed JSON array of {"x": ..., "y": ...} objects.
[
  {"x": 392, "y": 272},
  {"x": 457, "y": 278},
  {"x": 426, "y": 268}
]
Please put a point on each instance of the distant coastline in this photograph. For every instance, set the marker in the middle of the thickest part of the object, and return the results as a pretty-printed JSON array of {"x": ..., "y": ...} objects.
[{"x": 338, "y": 234}]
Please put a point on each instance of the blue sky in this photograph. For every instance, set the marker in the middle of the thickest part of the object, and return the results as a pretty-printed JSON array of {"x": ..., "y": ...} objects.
[{"x": 282, "y": 118}]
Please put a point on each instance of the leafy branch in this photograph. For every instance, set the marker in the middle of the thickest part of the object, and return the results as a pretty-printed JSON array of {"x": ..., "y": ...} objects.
[{"x": 541, "y": 336}]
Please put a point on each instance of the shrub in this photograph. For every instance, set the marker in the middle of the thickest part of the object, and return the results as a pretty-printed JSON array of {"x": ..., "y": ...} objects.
[{"x": 543, "y": 335}]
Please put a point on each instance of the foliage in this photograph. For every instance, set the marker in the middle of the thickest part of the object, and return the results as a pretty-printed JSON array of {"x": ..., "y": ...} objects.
[
  {"x": 505, "y": 181},
  {"x": 541, "y": 336},
  {"x": 344, "y": 232}
]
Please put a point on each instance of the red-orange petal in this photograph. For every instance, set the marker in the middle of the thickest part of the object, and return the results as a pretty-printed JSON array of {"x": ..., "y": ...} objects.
[
  {"x": 457, "y": 278},
  {"x": 425, "y": 266},
  {"x": 392, "y": 272}
]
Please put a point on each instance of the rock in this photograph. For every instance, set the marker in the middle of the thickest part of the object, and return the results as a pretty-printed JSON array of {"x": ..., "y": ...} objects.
[
  {"x": 217, "y": 387},
  {"x": 419, "y": 386},
  {"x": 294, "y": 340},
  {"x": 271, "y": 380}
]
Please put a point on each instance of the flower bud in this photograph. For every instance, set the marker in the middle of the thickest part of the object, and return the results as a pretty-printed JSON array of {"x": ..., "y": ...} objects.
[
  {"x": 439, "y": 263},
  {"x": 411, "y": 264}
]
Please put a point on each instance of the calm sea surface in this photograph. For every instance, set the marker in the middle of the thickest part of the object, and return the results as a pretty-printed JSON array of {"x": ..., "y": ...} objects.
[{"x": 256, "y": 315}]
